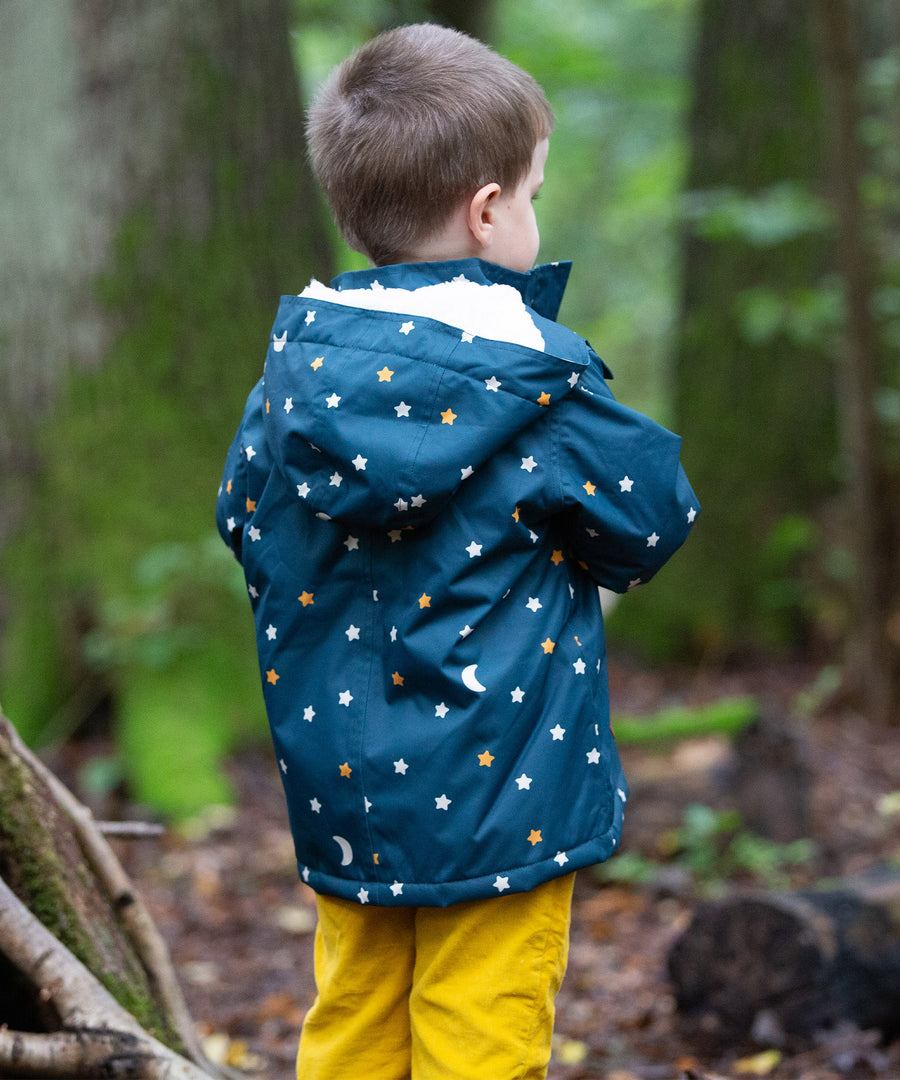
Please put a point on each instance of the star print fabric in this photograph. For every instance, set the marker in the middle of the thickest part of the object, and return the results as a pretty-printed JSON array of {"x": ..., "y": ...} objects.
[{"x": 423, "y": 512}]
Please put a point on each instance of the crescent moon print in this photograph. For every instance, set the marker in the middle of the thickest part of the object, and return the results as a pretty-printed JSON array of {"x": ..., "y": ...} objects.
[
  {"x": 279, "y": 342},
  {"x": 346, "y": 850},
  {"x": 470, "y": 679}
]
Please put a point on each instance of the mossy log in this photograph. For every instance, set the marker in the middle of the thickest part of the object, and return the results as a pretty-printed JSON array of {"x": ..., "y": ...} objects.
[
  {"x": 86, "y": 984},
  {"x": 784, "y": 969}
]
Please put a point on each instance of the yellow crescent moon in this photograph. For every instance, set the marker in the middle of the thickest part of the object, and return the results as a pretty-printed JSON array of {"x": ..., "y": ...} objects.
[
  {"x": 346, "y": 850},
  {"x": 470, "y": 679}
]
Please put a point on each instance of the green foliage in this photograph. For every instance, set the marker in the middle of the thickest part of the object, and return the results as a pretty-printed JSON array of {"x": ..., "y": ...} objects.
[
  {"x": 712, "y": 847},
  {"x": 726, "y": 717}
]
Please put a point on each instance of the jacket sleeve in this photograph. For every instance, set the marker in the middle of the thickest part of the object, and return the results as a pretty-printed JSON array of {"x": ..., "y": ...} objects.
[
  {"x": 627, "y": 502},
  {"x": 236, "y": 499}
]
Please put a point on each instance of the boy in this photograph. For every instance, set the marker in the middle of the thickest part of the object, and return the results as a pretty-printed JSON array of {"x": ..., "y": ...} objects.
[{"x": 429, "y": 483}]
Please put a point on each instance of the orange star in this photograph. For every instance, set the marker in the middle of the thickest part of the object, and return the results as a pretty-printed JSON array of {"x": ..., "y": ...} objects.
[
  {"x": 534, "y": 837},
  {"x": 385, "y": 374},
  {"x": 557, "y": 557},
  {"x": 267, "y": 404},
  {"x": 515, "y": 514},
  {"x": 272, "y": 676},
  {"x": 486, "y": 758},
  {"x": 251, "y": 506},
  {"x": 424, "y": 601},
  {"x": 398, "y": 678},
  {"x": 375, "y": 857},
  {"x": 306, "y": 598},
  {"x": 448, "y": 416},
  {"x": 228, "y": 487},
  {"x": 317, "y": 363},
  {"x": 345, "y": 769},
  {"x": 589, "y": 488},
  {"x": 548, "y": 646},
  {"x": 544, "y": 399}
]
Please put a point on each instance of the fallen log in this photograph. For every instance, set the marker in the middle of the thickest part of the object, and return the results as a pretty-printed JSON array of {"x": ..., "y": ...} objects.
[{"x": 782, "y": 969}]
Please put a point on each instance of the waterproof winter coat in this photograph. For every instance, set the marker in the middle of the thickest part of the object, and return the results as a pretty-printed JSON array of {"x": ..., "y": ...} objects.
[{"x": 429, "y": 483}]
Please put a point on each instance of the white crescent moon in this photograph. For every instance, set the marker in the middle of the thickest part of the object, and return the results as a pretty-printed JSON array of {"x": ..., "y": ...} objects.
[
  {"x": 470, "y": 679},
  {"x": 346, "y": 850},
  {"x": 279, "y": 342}
]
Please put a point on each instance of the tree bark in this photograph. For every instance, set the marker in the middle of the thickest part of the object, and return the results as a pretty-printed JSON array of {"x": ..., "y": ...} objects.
[{"x": 81, "y": 955}]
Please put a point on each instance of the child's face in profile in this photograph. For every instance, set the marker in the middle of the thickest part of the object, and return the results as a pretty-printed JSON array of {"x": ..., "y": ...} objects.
[{"x": 515, "y": 240}]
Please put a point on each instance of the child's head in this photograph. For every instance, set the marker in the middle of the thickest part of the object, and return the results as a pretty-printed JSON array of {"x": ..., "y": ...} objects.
[{"x": 412, "y": 125}]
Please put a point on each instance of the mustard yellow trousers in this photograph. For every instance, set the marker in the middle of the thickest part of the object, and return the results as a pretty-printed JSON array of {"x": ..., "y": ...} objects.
[{"x": 464, "y": 992}]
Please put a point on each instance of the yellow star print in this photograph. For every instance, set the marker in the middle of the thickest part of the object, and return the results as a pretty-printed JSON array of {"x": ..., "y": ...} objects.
[
  {"x": 424, "y": 601},
  {"x": 251, "y": 506},
  {"x": 548, "y": 646},
  {"x": 317, "y": 363},
  {"x": 544, "y": 399},
  {"x": 385, "y": 374},
  {"x": 589, "y": 488},
  {"x": 267, "y": 404},
  {"x": 534, "y": 837},
  {"x": 557, "y": 557},
  {"x": 306, "y": 598},
  {"x": 228, "y": 487},
  {"x": 398, "y": 678},
  {"x": 448, "y": 416},
  {"x": 515, "y": 514},
  {"x": 345, "y": 769},
  {"x": 486, "y": 758},
  {"x": 272, "y": 676}
]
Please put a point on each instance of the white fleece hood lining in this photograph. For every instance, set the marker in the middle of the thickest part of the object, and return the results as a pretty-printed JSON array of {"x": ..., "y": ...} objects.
[{"x": 496, "y": 311}]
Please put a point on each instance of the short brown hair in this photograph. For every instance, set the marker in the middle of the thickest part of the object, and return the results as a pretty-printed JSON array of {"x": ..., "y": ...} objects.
[{"x": 413, "y": 122}]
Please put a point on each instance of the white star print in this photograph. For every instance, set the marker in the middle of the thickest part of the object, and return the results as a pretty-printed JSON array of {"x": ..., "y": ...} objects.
[
  {"x": 345, "y": 697},
  {"x": 621, "y": 794},
  {"x": 395, "y": 535},
  {"x": 401, "y": 505},
  {"x": 254, "y": 592},
  {"x": 400, "y": 767},
  {"x": 271, "y": 632},
  {"x": 305, "y": 874},
  {"x": 315, "y": 805},
  {"x": 466, "y": 336},
  {"x": 466, "y": 630},
  {"x": 529, "y": 464},
  {"x": 691, "y": 514},
  {"x": 493, "y": 383},
  {"x": 308, "y": 713},
  {"x": 367, "y": 804},
  {"x": 283, "y": 765},
  {"x": 633, "y": 584},
  {"x": 359, "y": 463},
  {"x": 352, "y": 543},
  {"x": 323, "y": 517},
  {"x": 250, "y": 452},
  {"x": 376, "y": 286},
  {"x": 534, "y": 604},
  {"x": 402, "y": 409},
  {"x": 397, "y": 888},
  {"x": 474, "y": 549},
  {"x": 652, "y": 540},
  {"x": 393, "y": 633},
  {"x": 580, "y": 666},
  {"x": 363, "y": 895},
  {"x": 561, "y": 857},
  {"x": 524, "y": 782},
  {"x": 231, "y": 524},
  {"x": 254, "y": 533},
  {"x": 573, "y": 379},
  {"x": 335, "y": 480},
  {"x": 303, "y": 490},
  {"x": 518, "y": 695},
  {"x": 626, "y": 484},
  {"x": 332, "y": 401},
  {"x": 533, "y": 536},
  {"x": 288, "y": 404},
  {"x": 407, "y": 326},
  {"x": 441, "y": 710},
  {"x": 593, "y": 756},
  {"x": 466, "y": 472},
  {"x": 442, "y": 802},
  {"x": 417, "y": 501},
  {"x": 352, "y": 632},
  {"x": 501, "y": 883},
  {"x": 557, "y": 733},
  {"x": 310, "y": 317}
]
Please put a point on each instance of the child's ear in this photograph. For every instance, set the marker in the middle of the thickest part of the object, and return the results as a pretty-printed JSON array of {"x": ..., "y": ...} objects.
[{"x": 481, "y": 214}]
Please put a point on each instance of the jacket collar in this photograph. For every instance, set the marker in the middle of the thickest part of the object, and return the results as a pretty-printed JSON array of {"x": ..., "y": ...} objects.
[{"x": 541, "y": 288}]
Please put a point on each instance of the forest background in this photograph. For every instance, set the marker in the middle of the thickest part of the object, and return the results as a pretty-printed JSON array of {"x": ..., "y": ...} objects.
[{"x": 724, "y": 176}]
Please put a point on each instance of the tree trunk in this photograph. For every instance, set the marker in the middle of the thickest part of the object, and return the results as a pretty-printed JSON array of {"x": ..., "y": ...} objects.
[
  {"x": 784, "y": 968},
  {"x": 79, "y": 954}
]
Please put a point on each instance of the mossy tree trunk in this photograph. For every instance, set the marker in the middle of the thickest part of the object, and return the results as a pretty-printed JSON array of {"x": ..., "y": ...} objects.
[
  {"x": 79, "y": 956},
  {"x": 164, "y": 203}
]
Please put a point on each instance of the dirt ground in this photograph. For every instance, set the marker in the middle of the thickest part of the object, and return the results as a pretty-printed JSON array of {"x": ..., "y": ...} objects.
[{"x": 239, "y": 923}]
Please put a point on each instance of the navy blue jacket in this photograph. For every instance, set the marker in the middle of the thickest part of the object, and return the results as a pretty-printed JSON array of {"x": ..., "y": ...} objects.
[{"x": 423, "y": 513}]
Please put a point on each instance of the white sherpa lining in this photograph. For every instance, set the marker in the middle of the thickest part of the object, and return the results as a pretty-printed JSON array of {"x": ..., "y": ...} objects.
[{"x": 493, "y": 311}]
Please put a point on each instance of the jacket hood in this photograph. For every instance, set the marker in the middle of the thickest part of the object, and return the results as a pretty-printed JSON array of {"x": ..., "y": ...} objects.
[{"x": 387, "y": 390}]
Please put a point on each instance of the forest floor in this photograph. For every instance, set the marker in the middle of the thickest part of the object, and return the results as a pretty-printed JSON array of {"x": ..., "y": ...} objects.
[{"x": 240, "y": 924}]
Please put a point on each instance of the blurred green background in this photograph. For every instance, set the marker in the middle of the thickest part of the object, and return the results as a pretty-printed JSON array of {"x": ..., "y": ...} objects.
[{"x": 723, "y": 175}]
